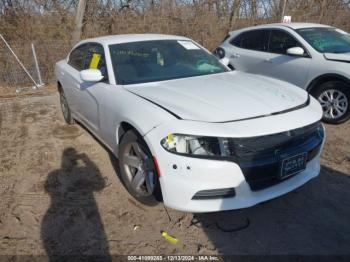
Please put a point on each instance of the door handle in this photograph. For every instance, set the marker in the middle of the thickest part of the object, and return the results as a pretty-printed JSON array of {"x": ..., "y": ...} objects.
[
  {"x": 62, "y": 73},
  {"x": 235, "y": 55},
  {"x": 268, "y": 60},
  {"x": 78, "y": 86}
]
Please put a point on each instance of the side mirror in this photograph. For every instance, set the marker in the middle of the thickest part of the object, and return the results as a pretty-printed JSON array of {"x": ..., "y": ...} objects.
[
  {"x": 219, "y": 52},
  {"x": 296, "y": 51},
  {"x": 91, "y": 75}
]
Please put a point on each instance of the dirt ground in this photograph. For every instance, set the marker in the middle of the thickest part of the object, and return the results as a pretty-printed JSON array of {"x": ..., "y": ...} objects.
[{"x": 59, "y": 194}]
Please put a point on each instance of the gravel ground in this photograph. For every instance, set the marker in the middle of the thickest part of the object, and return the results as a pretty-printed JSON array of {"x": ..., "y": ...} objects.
[{"x": 60, "y": 195}]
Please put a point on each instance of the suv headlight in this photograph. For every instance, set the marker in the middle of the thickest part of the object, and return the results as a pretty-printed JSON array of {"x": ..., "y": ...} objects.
[{"x": 194, "y": 145}]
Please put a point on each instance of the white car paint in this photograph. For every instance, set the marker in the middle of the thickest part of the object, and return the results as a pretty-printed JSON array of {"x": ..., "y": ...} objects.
[
  {"x": 307, "y": 72},
  {"x": 230, "y": 104},
  {"x": 196, "y": 99}
]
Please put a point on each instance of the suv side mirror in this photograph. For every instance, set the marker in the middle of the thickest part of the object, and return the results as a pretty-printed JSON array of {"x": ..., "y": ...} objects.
[
  {"x": 91, "y": 75},
  {"x": 296, "y": 51}
]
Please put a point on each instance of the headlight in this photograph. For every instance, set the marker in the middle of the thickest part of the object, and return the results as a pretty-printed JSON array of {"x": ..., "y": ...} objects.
[
  {"x": 242, "y": 148},
  {"x": 194, "y": 145}
]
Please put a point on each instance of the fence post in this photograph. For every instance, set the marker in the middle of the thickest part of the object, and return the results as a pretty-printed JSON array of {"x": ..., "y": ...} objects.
[{"x": 37, "y": 65}]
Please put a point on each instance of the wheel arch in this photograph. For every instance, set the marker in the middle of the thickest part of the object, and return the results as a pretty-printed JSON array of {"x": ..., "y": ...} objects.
[
  {"x": 326, "y": 78},
  {"x": 124, "y": 127}
]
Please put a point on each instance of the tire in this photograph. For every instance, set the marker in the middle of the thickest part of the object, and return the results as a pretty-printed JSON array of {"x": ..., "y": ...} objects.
[
  {"x": 137, "y": 169},
  {"x": 334, "y": 97},
  {"x": 67, "y": 115}
]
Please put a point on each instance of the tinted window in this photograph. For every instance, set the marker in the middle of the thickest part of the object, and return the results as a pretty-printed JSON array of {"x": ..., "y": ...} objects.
[
  {"x": 95, "y": 59},
  {"x": 281, "y": 41},
  {"x": 254, "y": 40},
  {"x": 76, "y": 58}
]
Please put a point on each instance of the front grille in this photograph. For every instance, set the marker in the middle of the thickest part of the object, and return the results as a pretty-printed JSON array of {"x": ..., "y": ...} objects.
[
  {"x": 270, "y": 144},
  {"x": 260, "y": 157},
  {"x": 214, "y": 194}
]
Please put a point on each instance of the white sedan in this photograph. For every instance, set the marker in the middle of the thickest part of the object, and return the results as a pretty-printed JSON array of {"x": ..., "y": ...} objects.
[{"x": 186, "y": 129}]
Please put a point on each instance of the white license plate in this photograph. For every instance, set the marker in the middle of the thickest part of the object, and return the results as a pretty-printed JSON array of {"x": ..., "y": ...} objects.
[{"x": 293, "y": 165}]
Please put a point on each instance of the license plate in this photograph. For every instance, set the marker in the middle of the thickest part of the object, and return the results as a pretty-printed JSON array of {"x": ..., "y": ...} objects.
[{"x": 293, "y": 165}]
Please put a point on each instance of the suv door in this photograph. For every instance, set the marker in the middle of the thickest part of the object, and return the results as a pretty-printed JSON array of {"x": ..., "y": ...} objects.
[
  {"x": 248, "y": 50},
  {"x": 91, "y": 93},
  {"x": 278, "y": 64}
]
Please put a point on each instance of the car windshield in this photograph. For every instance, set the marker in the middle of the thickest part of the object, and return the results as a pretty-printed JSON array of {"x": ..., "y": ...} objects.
[
  {"x": 327, "y": 40},
  {"x": 148, "y": 61}
]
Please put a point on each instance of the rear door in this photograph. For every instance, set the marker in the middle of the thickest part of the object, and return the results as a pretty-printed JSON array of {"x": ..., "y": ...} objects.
[
  {"x": 248, "y": 52},
  {"x": 278, "y": 64}
]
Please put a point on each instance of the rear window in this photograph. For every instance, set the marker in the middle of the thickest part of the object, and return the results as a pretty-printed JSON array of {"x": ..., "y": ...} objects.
[{"x": 253, "y": 40}]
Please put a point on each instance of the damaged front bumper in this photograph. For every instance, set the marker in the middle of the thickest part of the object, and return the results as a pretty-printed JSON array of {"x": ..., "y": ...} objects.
[{"x": 204, "y": 185}]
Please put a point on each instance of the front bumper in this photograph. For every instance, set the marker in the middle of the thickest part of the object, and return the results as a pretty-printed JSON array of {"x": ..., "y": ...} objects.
[
  {"x": 180, "y": 185},
  {"x": 183, "y": 177}
]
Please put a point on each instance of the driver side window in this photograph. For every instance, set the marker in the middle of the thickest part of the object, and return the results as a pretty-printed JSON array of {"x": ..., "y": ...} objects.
[
  {"x": 281, "y": 41},
  {"x": 95, "y": 59}
]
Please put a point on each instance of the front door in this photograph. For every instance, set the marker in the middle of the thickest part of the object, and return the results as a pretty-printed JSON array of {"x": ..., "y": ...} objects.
[
  {"x": 280, "y": 65},
  {"x": 90, "y": 93}
]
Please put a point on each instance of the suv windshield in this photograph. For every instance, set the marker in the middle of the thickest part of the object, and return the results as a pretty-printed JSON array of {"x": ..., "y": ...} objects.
[
  {"x": 327, "y": 40},
  {"x": 148, "y": 61}
]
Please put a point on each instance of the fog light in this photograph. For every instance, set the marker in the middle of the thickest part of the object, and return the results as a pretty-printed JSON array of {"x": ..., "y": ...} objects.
[{"x": 215, "y": 193}]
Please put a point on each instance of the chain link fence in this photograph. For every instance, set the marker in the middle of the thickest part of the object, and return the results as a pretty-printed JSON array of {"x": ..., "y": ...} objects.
[{"x": 14, "y": 79}]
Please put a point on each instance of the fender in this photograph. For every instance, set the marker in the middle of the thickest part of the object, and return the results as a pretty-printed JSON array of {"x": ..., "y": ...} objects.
[{"x": 326, "y": 77}]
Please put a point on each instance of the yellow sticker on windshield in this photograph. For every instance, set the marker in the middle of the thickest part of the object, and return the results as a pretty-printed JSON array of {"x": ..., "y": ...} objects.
[{"x": 94, "y": 61}]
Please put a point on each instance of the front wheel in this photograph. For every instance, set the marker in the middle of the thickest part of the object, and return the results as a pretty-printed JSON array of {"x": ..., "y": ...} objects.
[
  {"x": 334, "y": 97},
  {"x": 138, "y": 170},
  {"x": 67, "y": 115}
]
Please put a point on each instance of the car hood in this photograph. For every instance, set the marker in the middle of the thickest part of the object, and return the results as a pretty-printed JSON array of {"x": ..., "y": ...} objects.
[
  {"x": 222, "y": 97},
  {"x": 338, "y": 57}
]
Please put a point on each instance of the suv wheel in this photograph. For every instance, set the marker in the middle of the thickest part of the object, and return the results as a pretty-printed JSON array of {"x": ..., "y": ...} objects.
[
  {"x": 137, "y": 169},
  {"x": 334, "y": 97}
]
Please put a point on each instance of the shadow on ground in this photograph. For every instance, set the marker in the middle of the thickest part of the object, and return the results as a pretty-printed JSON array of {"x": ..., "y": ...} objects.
[
  {"x": 72, "y": 225},
  {"x": 313, "y": 220}
]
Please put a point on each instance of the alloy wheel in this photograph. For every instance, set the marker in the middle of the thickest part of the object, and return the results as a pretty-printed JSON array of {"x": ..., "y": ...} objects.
[
  {"x": 139, "y": 168},
  {"x": 334, "y": 103}
]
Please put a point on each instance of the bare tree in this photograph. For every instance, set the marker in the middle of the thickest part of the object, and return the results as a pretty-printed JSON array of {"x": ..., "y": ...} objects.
[
  {"x": 79, "y": 21},
  {"x": 234, "y": 13}
]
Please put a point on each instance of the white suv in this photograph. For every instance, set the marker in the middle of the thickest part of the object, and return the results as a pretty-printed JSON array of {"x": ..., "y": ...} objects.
[{"x": 312, "y": 56}]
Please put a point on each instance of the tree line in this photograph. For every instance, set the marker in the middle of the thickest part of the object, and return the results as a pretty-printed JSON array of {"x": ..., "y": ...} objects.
[
  {"x": 52, "y": 24},
  {"x": 205, "y": 20}
]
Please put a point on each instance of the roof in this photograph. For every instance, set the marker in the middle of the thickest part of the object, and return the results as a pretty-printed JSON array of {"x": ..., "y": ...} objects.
[
  {"x": 117, "y": 39},
  {"x": 290, "y": 25},
  {"x": 301, "y": 25}
]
